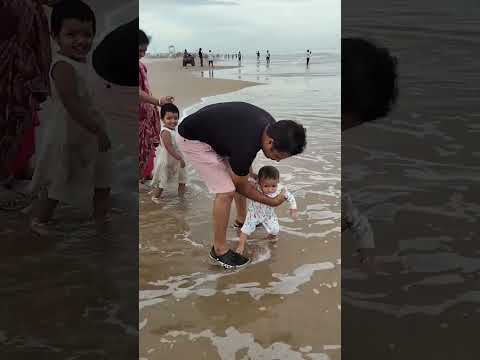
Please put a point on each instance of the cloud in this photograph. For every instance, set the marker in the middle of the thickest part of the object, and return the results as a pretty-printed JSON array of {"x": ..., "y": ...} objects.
[
  {"x": 149, "y": 3},
  {"x": 247, "y": 25}
]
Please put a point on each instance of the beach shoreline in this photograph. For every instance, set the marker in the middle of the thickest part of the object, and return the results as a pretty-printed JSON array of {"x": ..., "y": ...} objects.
[{"x": 169, "y": 77}]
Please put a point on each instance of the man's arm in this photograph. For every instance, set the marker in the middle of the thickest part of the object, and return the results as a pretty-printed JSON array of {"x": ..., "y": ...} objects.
[
  {"x": 244, "y": 187},
  {"x": 252, "y": 174}
]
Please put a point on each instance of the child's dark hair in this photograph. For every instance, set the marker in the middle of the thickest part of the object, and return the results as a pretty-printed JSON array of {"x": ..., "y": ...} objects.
[
  {"x": 70, "y": 9},
  {"x": 142, "y": 38},
  {"x": 288, "y": 137},
  {"x": 169, "y": 107},
  {"x": 369, "y": 79},
  {"x": 268, "y": 172}
]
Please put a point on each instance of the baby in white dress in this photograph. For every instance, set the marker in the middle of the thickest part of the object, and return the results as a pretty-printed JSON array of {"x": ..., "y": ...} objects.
[
  {"x": 258, "y": 213},
  {"x": 169, "y": 163}
]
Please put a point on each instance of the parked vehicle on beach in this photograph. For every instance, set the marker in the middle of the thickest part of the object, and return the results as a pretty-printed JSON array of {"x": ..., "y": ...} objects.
[{"x": 188, "y": 59}]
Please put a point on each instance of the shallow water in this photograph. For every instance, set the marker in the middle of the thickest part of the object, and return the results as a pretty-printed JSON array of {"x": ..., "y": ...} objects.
[
  {"x": 287, "y": 303},
  {"x": 416, "y": 175},
  {"x": 70, "y": 295}
]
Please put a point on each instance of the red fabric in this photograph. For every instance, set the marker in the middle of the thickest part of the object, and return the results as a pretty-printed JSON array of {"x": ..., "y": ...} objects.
[
  {"x": 149, "y": 167},
  {"x": 25, "y": 150},
  {"x": 24, "y": 66},
  {"x": 149, "y": 124}
]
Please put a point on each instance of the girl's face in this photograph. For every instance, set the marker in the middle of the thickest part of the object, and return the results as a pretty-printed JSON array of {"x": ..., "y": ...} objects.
[
  {"x": 75, "y": 39},
  {"x": 268, "y": 186},
  {"x": 142, "y": 49},
  {"x": 170, "y": 120}
]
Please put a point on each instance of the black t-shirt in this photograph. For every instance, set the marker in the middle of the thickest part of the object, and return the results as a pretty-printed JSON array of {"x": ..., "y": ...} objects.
[{"x": 233, "y": 129}]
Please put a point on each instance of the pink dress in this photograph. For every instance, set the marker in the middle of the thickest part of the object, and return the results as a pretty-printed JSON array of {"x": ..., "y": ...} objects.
[{"x": 149, "y": 124}]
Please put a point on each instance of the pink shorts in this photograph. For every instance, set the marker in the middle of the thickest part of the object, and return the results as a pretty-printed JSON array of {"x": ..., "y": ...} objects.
[{"x": 213, "y": 169}]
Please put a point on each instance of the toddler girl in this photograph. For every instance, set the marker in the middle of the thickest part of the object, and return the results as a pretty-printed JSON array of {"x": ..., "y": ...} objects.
[
  {"x": 170, "y": 162},
  {"x": 258, "y": 213},
  {"x": 74, "y": 166}
]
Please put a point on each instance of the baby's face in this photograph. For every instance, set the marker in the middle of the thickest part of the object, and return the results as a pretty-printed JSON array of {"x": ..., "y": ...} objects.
[
  {"x": 268, "y": 186},
  {"x": 170, "y": 120},
  {"x": 75, "y": 38}
]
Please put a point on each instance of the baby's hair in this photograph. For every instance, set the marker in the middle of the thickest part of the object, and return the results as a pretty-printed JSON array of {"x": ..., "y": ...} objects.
[
  {"x": 369, "y": 79},
  {"x": 143, "y": 39},
  {"x": 169, "y": 107},
  {"x": 70, "y": 9},
  {"x": 268, "y": 172}
]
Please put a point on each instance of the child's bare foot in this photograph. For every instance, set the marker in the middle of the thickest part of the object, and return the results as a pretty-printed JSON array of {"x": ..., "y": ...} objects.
[
  {"x": 40, "y": 228},
  {"x": 157, "y": 193},
  {"x": 182, "y": 189},
  {"x": 240, "y": 248}
]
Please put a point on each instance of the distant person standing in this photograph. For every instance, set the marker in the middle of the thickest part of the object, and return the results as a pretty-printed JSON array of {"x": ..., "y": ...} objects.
[
  {"x": 258, "y": 55},
  {"x": 210, "y": 58},
  {"x": 200, "y": 55},
  {"x": 309, "y": 53},
  {"x": 268, "y": 57},
  {"x": 239, "y": 57}
]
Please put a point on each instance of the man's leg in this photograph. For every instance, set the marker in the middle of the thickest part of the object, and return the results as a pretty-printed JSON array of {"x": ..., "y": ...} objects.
[
  {"x": 221, "y": 215},
  {"x": 241, "y": 206}
]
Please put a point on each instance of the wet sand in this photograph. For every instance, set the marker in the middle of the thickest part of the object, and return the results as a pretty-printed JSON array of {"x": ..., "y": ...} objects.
[{"x": 284, "y": 306}]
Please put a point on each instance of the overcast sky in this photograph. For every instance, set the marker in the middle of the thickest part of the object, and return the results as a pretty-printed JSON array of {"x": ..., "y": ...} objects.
[{"x": 282, "y": 26}]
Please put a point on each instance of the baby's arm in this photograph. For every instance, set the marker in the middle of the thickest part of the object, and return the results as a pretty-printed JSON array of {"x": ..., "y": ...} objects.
[
  {"x": 358, "y": 224},
  {"x": 167, "y": 142},
  {"x": 361, "y": 229},
  {"x": 293, "y": 204},
  {"x": 291, "y": 200}
]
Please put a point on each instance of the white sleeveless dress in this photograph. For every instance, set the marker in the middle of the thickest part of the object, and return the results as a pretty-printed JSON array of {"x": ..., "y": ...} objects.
[
  {"x": 69, "y": 165},
  {"x": 166, "y": 166}
]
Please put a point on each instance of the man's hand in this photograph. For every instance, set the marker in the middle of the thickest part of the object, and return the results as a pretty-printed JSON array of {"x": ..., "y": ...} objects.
[
  {"x": 279, "y": 199},
  {"x": 166, "y": 99},
  {"x": 182, "y": 163}
]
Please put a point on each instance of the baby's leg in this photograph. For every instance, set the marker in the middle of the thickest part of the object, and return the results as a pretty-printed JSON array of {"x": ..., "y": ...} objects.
[
  {"x": 101, "y": 205},
  {"x": 182, "y": 180},
  {"x": 182, "y": 188},
  {"x": 43, "y": 209},
  {"x": 272, "y": 227},
  {"x": 242, "y": 242},
  {"x": 247, "y": 229},
  {"x": 160, "y": 180}
]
